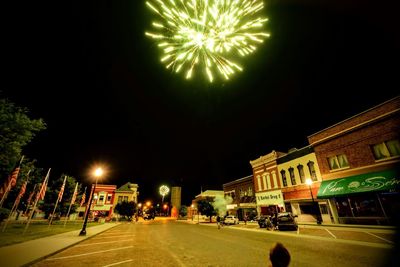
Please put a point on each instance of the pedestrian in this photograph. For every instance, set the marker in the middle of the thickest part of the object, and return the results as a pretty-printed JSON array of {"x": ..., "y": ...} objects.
[
  {"x": 279, "y": 256},
  {"x": 218, "y": 222},
  {"x": 245, "y": 219},
  {"x": 275, "y": 220}
]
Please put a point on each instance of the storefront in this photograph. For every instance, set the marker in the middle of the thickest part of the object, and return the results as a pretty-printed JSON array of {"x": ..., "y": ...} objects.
[
  {"x": 269, "y": 202},
  {"x": 370, "y": 198}
]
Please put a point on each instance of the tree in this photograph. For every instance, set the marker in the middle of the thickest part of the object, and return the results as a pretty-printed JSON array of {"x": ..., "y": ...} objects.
[
  {"x": 126, "y": 209},
  {"x": 183, "y": 211},
  {"x": 17, "y": 129},
  {"x": 52, "y": 194},
  {"x": 205, "y": 207}
]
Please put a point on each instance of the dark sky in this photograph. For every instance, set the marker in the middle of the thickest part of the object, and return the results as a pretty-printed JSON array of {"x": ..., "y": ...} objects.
[{"x": 88, "y": 70}]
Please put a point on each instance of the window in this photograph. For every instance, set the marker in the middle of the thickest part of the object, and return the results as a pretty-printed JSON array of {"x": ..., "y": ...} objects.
[
  {"x": 284, "y": 181},
  {"x": 338, "y": 162},
  {"x": 125, "y": 199},
  {"x": 292, "y": 178},
  {"x": 386, "y": 149},
  {"x": 119, "y": 199},
  {"x": 109, "y": 198},
  {"x": 311, "y": 169},
  {"x": 250, "y": 191},
  {"x": 300, "y": 168}
]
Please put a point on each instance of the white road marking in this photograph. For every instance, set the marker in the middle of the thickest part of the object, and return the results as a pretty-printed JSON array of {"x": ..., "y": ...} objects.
[
  {"x": 331, "y": 233},
  {"x": 391, "y": 242},
  {"x": 114, "y": 237},
  {"x": 84, "y": 245},
  {"x": 110, "y": 236},
  {"x": 84, "y": 254},
  {"x": 117, "y": 263}
]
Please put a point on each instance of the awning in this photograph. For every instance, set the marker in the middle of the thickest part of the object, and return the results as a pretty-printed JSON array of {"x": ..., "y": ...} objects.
[{"x": 369, "y": 182}]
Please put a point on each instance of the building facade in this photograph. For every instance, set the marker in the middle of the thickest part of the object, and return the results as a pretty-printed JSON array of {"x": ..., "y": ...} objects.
[
  {"x": 267, "y": 185},
  {"x": 103, "y": 201},
  {"x": 126, "y": 193},
  {"x": 210, "y": 196},
  {"x": 294, "y": 169},
  {"x": 242, "y": 196},
  {"x": 359, "y": 161}
]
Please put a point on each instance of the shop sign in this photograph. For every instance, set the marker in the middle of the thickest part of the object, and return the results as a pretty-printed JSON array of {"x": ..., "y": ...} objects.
[
  {"x": 368, "y": 182},
  {"x": 270, "y": 198}
]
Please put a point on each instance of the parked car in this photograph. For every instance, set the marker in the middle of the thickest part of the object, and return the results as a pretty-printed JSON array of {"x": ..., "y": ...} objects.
[
  {"x": 231, "y": 219},
  {"x": 286, "y": 220},
  {"x": 148, "y": 216}
]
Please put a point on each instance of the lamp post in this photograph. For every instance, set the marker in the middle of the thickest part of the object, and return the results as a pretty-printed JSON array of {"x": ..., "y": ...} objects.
[
  {"x": 97, "y": 173},
  {"x": 319, "y": 219}
]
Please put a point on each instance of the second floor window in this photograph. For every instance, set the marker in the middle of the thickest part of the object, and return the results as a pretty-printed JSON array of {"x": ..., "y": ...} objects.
[
  {"x": 386, "y": 149},
  {"x": 292, "y": 177},
  {"x": 300, "y": 168},
  {"x": 312, "y": 171},
  {"x": 338, "y": 162},
  {"x": 284, "y": 181}
]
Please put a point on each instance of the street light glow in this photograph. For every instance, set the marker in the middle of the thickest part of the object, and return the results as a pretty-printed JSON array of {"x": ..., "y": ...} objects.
[
  {"x": 98, "y": 172},
  {"x": 308, "y": 181}
]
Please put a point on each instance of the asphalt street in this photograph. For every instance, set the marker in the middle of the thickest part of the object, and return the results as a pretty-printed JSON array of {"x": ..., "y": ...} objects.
[{"x": 170, "y": 243}]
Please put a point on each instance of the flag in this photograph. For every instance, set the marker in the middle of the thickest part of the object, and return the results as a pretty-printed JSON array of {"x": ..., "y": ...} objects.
[
  {"x": 12, "y": 180},
  {"x": 60, "y": 194},
  {"x": 83, "y": 198},
  {"x": 22, "y": 190},
  {"x": 43, "y": 188},
  {"x": 31, "y": 195},
  {"x": 74, "y": 195}
]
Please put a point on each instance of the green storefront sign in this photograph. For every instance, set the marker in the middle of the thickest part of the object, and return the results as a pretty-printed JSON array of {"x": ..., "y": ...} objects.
[{"x": 369, "y": 182}]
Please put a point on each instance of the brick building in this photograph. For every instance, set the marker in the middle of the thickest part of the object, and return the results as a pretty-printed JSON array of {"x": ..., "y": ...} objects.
[
  {"x": 267, "y": 185},
  {"x": 359, "y": 162},
  {"x": 241, "y": 192}
]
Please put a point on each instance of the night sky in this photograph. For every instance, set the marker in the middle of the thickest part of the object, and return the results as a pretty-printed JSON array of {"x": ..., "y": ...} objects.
[{"x": 89, "y": 71}]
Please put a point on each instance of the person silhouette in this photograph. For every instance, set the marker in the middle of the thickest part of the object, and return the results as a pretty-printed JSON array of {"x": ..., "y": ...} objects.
[{"x": 279, "y": 256}]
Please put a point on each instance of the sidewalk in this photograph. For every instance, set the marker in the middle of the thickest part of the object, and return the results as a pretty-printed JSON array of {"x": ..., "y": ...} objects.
[{"x": 23, "y": 254}]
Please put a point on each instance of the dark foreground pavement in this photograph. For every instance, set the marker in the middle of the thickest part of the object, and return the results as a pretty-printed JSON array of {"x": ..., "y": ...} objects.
[
  {"x": 23, "y": 254},
  {"x": 170, "y": 243}
]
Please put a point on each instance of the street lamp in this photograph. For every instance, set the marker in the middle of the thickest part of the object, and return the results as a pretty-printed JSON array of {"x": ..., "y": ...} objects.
[
  {"x": 98, "y": 172},
  {"x": 315, "y": 207}
]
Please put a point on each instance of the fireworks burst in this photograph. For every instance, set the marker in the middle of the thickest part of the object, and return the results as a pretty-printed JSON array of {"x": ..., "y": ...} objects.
[{"x": 206, "y": 34}]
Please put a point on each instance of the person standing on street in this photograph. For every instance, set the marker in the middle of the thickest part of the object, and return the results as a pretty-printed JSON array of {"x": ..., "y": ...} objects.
[{"x": 218, "y": 222}]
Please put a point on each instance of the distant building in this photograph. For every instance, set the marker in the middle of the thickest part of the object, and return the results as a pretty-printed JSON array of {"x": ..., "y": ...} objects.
[
  {"x": 103, "y": 201},
  {"x": 127, "y": 192},
  {"x": 359, "y": 163},
  {"x": 242, "y": 195},
  {"x": 267, "y": 185},
  {"x": 175, "y": 200},
  {"x": 208, "y": 195}
]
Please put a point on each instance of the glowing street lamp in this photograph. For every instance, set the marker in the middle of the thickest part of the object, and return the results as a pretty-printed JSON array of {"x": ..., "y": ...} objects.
[
  {"x": 97, "y": 173},
  {"x": 309, "y": 183}
]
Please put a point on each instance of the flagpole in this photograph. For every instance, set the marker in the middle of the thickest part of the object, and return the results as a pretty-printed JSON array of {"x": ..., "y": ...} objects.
[
  {"x": 36, "y": 200},
  {"x": 16, "y": 202},
  {"x": 28, "y": 202},
  {"x": 58, "y": 199},
  {"x": 70, "y": 204}
]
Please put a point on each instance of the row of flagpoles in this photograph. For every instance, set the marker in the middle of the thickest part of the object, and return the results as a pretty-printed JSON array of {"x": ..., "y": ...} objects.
[{"x": 40, "y": 194}]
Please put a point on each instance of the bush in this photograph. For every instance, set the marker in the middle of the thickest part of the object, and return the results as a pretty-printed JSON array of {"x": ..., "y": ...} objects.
[{"x": 4, "y": 213}]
